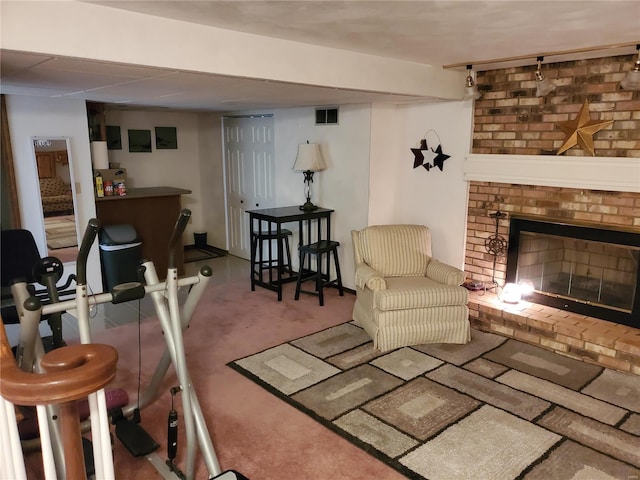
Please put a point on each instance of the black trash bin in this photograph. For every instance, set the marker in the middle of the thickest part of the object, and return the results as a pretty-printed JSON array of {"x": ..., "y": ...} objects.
[{"x": 120, "y": 255}]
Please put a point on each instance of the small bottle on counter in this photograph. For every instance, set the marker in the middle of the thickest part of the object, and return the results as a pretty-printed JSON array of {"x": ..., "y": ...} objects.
[
  {"x": 108, "y": 188},
  {"x": 122, "y": 190},
  {"x": 99, "y": 186}
]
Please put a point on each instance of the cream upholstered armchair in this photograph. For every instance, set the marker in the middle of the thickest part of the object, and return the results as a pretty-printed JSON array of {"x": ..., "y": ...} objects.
[{"x": 403, "y": 296}]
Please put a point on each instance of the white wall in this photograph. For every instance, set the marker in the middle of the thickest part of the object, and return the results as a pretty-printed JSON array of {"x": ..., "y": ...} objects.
[
  {"x": 195, "y": 165},
  {"x": 343, "y": 186},
  {"x": 370, "y": 177},
  {"x": 212, "y": 182},
  {"x": 52, "y": 117},
  {"x": 402, "y": 194}
]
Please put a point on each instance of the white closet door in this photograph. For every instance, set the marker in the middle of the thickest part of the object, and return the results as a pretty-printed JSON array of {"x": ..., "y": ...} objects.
[{"x": 250, "y": 172}]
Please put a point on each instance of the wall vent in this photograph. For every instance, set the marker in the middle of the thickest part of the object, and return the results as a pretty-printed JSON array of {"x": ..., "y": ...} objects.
[{"x": 327, "y": 116}]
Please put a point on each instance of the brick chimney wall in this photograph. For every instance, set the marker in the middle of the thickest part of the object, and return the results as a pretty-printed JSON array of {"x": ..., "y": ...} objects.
[{"x": 510, "y": 119}]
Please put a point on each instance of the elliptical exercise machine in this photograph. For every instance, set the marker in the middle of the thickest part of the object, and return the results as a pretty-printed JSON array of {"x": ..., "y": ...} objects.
[{"x": 173, "y": 320}]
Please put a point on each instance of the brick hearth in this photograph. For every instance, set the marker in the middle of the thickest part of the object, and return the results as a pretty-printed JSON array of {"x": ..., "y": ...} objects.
[{"x": 585, "y": 338}]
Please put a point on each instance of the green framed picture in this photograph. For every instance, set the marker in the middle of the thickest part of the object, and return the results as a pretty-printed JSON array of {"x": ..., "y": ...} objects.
[
  {"x": 114, "y": 139},
  {"x": 140, "y": 141},
  {"x": 166, "y": 138}
]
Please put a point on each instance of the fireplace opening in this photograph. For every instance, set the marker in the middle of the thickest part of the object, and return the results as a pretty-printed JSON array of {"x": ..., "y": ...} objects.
[{"x": 583, "y": 269}]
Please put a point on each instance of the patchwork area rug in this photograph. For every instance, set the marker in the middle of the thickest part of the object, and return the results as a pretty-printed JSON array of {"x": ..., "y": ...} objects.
[
  {"x": 492, "y": 409},
  {"x": 61, "y": 232}
]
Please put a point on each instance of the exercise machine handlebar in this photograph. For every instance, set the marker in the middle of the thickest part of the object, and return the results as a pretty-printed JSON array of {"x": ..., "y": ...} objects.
[
  {"x": 178, "y": 230},
  {"x": 88, "y": 238}
]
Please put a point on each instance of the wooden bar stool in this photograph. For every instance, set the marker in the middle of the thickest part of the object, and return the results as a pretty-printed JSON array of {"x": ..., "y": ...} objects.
[
  {"x": 322, "y": 280},
  {"x": 260, "y": 263}
]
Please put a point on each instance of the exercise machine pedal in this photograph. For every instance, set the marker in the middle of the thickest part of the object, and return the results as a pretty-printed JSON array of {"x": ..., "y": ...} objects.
[
  {"x": 229, "y": 475},
  {"x": 135, "y": 438}
]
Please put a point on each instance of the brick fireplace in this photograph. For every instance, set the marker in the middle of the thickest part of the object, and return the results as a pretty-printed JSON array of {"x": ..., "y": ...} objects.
[
  {"x": 587, "y": 338},
  {"x": 514, "y": 168}
]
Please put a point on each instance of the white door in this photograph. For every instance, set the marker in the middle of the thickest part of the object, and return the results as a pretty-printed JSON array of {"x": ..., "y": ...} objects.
[{"x": 250, "y": 172}]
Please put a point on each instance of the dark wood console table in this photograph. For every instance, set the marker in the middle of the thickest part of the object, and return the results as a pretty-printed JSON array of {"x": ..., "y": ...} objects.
[
  {"x": 153, "y": 212},
  {"x": 267, "y": 219}
]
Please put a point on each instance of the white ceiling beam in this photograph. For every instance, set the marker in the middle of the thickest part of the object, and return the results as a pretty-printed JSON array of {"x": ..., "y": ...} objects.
[{"x": 81, "y": 30}]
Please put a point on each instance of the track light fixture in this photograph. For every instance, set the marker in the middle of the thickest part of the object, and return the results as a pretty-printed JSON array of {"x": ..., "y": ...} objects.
[
  {"x": 544, "y": 86},
  {"x": 632, "y": 80},
  {"x": 470, "y": 88}
]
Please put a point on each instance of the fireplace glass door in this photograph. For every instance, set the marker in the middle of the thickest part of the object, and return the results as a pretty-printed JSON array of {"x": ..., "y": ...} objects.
[
  {"x": 593, "y": 269},
  {"x": 583, "y": 270}
]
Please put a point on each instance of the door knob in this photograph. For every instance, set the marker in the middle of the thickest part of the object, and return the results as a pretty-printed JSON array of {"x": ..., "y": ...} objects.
[
  {"x": 257, "y": 204},
  {"x": 241, "y": 201}
]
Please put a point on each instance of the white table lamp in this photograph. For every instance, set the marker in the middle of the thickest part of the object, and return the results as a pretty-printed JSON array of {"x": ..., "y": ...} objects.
[{"x": 308, "y": 161}]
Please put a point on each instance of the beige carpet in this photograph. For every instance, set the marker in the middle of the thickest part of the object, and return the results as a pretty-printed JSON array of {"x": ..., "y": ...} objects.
[
  {"x": 492, "y": 409},
  {"x": 61, "y": 232},
  {"x": 253, "y": 432}
]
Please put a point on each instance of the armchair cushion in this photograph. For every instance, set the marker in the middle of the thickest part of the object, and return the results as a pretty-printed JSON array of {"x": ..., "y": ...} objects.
[
  {"x": 55, "y": 199},
  {"x": 396, "y": 250},
  {"x": 417, "y": 292},
  {"x": 51, "y": 187}
]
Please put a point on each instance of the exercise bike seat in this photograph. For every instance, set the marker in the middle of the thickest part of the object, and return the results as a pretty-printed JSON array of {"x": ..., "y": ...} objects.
[{"x": 18, "y": 255}]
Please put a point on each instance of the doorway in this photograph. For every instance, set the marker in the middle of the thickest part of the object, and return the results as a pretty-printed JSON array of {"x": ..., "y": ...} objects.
[
  {"x": 250, "y": 174},
  {"x": 56, "y": 197}
]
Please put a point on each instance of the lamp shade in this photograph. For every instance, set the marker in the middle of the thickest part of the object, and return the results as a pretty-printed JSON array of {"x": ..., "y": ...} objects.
[
  {"x": 544, "y": 86},
  {"x": 309, "y": 158},
  {"x": 510, "y": 293},
  {"x": 471, "y": 93},
  {"x": 632, "y": 80}
]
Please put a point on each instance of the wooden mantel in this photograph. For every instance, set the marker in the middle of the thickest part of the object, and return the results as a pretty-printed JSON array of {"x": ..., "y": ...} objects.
[
  {"x": 153, "y": 212},
  {"x": 617, "y": 174}
]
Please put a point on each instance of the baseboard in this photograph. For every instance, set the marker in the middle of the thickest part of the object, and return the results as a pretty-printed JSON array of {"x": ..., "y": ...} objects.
[{"x": 344, "y": 289}]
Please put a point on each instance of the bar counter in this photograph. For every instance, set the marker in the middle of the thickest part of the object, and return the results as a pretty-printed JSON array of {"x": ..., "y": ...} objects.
[{"x": 153, "y": 212}]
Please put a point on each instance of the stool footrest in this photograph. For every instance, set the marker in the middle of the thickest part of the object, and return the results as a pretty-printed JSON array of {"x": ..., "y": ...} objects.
[
  {"x": 322, "y": 280},
  {"x": 265, "y": 258},
  {"x": 322, "y": 246},
  {"x": 272, "y": 234}
]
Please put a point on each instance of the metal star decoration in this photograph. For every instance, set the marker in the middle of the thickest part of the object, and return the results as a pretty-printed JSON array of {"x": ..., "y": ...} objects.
[
  {"x": 436, "y": 156},
  {"x": 439, "y": 159},
  {"x": 417, "y": 152},
  {"x": 580, "y": 130}
]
